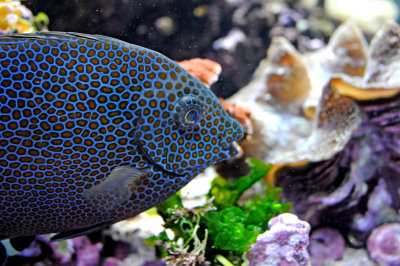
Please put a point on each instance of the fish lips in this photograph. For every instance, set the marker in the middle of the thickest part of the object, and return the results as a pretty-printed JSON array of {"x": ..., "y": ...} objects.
[{"x": 233, "y": 150}]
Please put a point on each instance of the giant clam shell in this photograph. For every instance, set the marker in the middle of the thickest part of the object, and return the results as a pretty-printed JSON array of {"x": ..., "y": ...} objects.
[{"x": 330, "y": 122}]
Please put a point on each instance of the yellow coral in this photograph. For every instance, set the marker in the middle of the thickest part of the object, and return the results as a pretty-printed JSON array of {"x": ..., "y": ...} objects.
[{"x": 14, "y": 17}]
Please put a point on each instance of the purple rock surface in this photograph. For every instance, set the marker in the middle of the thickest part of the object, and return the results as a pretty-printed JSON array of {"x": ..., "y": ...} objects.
[
  {"x": 284, "y": 244},
  {"x": 384, "y": 244},
  {"x": 358, "y": 189},
  {"x": 325, "y": 244},
  {"x": 87, "y": 253}
]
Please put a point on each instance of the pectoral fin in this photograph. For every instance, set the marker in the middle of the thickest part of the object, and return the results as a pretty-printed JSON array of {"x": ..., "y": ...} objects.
[
  {"x": 80, "y": 232},
  {"x": 117, "y": 187}
]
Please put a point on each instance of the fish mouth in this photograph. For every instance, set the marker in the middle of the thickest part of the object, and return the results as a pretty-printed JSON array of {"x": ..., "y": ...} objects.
[
  {"x": 234, "y": 149},
  {"x": 232, "y": 145}
]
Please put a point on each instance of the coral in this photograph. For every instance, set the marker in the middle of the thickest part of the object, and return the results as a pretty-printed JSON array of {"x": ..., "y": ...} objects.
[
  {"x": 14, "y": 17},
  {"x": 242, "y": 115},
  {"x": 361, "y": 180},
  {"x": 325, "y": 244},
  {"x": 384, "y": 244},
  {"x": 86, "y": 252},
  {"x": 352, "y": 256},
  {"x": 110, "y": 262},
  {"x": 154, "y": 263},
  {"x": 285, "y": 243},
  {"x": 94, "y": 249},
  {"x": 379, "y": 209},
  {"x": 205, "y": 70}
]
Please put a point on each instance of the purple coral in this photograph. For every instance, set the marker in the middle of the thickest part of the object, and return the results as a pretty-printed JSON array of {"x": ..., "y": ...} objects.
[
  {"x": 384, "y": 244},
  {"x": 284, "y": 244},
  {"x": 87, "y": 253},
  {"x": 325, "y": 244}
]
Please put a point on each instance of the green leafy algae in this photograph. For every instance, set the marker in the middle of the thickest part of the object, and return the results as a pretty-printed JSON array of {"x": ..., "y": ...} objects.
[
  {"x": 226, "y": 193},
  {"x": 221, "y": 230}
]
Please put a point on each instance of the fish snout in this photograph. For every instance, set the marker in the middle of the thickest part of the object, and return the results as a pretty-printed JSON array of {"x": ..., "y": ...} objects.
[{"x": 231, "y": 134}]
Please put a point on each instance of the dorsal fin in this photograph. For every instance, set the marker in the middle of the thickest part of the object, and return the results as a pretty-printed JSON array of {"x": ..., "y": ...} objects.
[{"x": 61, "y": 36}]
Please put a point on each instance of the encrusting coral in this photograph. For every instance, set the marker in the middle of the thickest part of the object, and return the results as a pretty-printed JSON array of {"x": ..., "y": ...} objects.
[
  {"x": 205, "y": 70},
  {"x": 285, "y": 243}
]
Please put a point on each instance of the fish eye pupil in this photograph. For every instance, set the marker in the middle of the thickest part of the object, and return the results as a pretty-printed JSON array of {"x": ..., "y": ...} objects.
[
  {"x": 191, "y": 116},
  {"x": 188, "y": 112}
]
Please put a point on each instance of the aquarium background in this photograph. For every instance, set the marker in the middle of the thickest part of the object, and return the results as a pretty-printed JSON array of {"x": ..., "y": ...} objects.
[
  {"x": 346, "y": 196},
  {"x": 187, "y": 29}
]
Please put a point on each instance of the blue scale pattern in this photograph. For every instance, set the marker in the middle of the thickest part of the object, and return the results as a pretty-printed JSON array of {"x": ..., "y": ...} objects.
[{"x": 75, "y": 107}]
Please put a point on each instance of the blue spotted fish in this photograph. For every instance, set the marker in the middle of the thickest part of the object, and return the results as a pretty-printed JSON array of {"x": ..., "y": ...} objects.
[{"x": 94, "y": 130}]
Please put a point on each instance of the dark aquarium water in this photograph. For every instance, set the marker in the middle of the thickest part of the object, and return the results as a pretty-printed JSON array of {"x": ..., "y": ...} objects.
[{"x": 199, "y": 132}]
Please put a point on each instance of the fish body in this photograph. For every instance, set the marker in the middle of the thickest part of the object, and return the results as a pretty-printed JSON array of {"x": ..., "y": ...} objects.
[{"x": 94, "y": 130}]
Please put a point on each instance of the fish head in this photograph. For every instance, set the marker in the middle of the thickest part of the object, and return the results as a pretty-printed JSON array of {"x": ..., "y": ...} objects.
[{"x": 184, "y": 128}]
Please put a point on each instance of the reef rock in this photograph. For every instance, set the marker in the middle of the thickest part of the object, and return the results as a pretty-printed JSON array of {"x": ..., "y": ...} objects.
[
  {"x": 326, "y": 245},
  {"x": 384, "y": 244},
  {"x": 15, "y": 17},
  {"x": 285, "y": 243}
]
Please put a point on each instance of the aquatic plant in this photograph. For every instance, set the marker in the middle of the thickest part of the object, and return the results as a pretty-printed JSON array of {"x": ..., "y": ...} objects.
[{"x": 222, "y": 229}]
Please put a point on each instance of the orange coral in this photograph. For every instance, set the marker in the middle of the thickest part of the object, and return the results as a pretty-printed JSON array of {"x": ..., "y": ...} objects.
[
  {"x": 205, "y": 70},
  {"x": 242, "y": 115}
]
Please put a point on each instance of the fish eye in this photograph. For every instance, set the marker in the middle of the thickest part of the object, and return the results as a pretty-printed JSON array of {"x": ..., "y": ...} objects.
[
  {"x": 191, "y": 116},
  {"x": 188, "y": 111}
]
